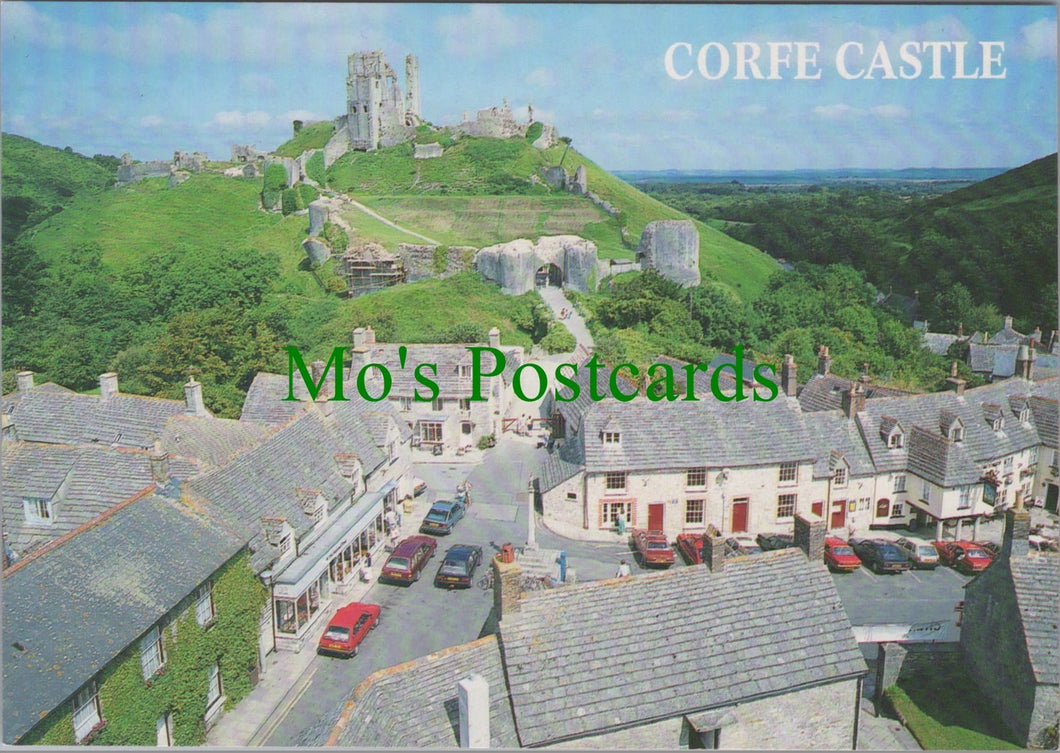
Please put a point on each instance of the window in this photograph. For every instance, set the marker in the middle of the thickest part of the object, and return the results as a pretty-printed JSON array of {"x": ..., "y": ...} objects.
[
  {"x": 572, "y": 496},
  {"x": 204, "y": 604},
  {"x": 37, "y": 511},
  {"x": 789, "y": 472},
  {"x": 696, "y": 478},
  {"x": 465, "y": 427},
  {"x": 612, "y": 437},
  {"x": 898, "y": 510},
  {"x": 465, "y": 405},
  {"x": 615, "y": 482},
  {"x": 86, "y": 711},
  {"x": 406, "y": 403},
  {"x": 151, "y": 657},
  {"x": 164, "y": 730},
  {"x": 864, "y": 503},
  {"x": 895, "y": 440},
  {"x": 1056, "y": 458},
  {"x": 1008, "y": 464},
  {"x": 463, "y": 371},
  {"x": 899, "y": 484},
  {"x": 285, "y": 545},
  {"x": 1025, "y": 415},
  {"x": 786, "y": 505},
  {"x": 437, "y": 404},
  {"x": 213, "y": 690},
  {"x": 965, "y": 500},
  {"x": 925, "y": 491},
  {"x": 319, "y": 512},
  {"x": 957, "y": 433},
  {"x": 998, "y": 423},
  {"x": 431, "y": 431},
  {"x": 693, "y": 511},
  {"x": 1032, "y": 456},
  {"x": 609, "y": 512},
  {"x": 840, "y": 477}
]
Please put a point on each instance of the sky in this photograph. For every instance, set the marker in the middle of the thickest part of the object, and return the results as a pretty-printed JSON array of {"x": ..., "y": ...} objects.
[{"x": 153, "y": 78}]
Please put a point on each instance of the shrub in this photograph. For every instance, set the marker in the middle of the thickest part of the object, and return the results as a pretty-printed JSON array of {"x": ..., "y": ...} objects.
[
  {"x": 275, "y": 177},
  {"x": 440, "y": 260},
  {"x": 558, "y": 340},
  {"x": 308, "y": 193},
  {"x": 292, "y": 201},
  {"x": 533, "y": 133},
  {"x": 335, "y": 237},
  {"x": 335, "y": 284},
  {"x": 270, "y": 198},
  {"x": 314, "y": 168}
]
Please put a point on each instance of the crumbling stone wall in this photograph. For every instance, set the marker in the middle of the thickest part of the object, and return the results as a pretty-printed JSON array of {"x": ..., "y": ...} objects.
[
  {"x": 672, "y": 248},
  {"x": 318, "y": 215},
  {"x": 245, "y": 153},
  {"x": 514, "y": 265},
  {"x": 547, "y": 138},
  {"x": 289, "y": 165},
  {"x": 493, "y": 123},
  {"x": 419, "y": 260},
  {"x": 130, "y": 172},
  {"x": 338, "y": 144},
  {"x": 558, "y": 178},
  {"x": 317, "y": 250},
  {"x": 427, "y": 151},
  {"x": 195, "y": 162}
]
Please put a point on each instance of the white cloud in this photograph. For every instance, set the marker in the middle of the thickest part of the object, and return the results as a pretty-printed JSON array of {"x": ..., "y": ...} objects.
[
  {"x": 895, "y": 112},
  {"x": 542, "y": 78},
  {"x": 837, "y": 112},
  {"x": 235, "y": 120},
  {"x": 484, "y": 31},
  {"x": 151, "y": 121},
  {"x": 1038, "y": 40}
]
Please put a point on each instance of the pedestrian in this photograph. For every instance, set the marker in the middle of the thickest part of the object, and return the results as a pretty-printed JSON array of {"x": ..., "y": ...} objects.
[
  {"x": 398, "y": 510},
  {"x": 390, "y": 519},
  {"x": 623, "y": 570}
]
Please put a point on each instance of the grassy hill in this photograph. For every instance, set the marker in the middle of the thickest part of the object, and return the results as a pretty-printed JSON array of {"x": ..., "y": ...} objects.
[{"x": 312, "y": 136}]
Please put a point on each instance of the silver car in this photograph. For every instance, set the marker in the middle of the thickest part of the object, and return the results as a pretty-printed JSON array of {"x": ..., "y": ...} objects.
[{"x": 923, "y": 555}]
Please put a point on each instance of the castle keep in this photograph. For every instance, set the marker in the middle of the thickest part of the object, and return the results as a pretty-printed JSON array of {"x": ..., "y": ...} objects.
[{"x": 377, "y": 112}]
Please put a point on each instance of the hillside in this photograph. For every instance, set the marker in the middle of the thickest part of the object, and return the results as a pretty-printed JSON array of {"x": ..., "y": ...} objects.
[{"x": 312, "y": 136}]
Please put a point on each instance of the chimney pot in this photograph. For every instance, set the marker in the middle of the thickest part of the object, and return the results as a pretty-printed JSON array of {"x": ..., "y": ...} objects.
[
  {"x": 824, "y": 361},
  {"x": 473, "y": 694},
  {"x": 853, "y": 400},
  {"x": 159, "y": 461},
  {"x": 359, "y": 340},
  {"x": 1008, "y": 322},
  {"x": 316, "y": 370},
  {"x": 960, "y": 329},
  {"x": 369, "y": 336},
  {"x": 495, "y": 338},
  {"x": 108, "y": 385},
  {"x": 24, "y": 379},
  {"x": 193, "y": 405},
  {"x": 788, "y": 381}
]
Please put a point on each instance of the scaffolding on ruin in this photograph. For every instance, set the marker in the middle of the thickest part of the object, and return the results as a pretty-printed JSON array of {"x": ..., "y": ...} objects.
[{"x": 371, "y": 267}]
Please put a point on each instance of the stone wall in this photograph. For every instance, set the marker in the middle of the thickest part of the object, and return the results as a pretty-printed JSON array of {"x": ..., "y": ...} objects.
[
  {"x": 338, "y": 144},
  {"x": 426, "y": 151},
  {"x": 245, "y": 153},
  {"x": 419, "y": 260},
  {"x": 547, "y": 137},
  {"x": 290, "y": 166},
  {"x": 195, "y": 162},
  {"x": 317, "y": 250},
  {"x": 672, "y": 248},
  {"x": 603, "y": 204},
  {"x": 494, "y": 123},
  {"x": 318, "y": 215},
  {"x": 513, "y": 265},
  {"x": 133, "y": 172}
]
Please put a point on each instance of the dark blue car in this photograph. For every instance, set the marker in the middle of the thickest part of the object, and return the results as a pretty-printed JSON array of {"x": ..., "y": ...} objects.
[{"x": 441, "y": 518}]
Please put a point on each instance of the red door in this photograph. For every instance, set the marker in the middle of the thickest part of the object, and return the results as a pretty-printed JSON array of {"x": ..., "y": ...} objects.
[
  {"x": 655, "y": 516},
  {"x": 839, "y": 513},
  {"x": 817, "y": 508},
  {"x": 739, "y": 516}
]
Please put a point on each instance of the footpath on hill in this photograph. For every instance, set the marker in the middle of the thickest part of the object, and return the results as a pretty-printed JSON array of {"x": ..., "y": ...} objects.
[
  {"x": 575, "y": 323},
  {"x": 376, "y": 216}
]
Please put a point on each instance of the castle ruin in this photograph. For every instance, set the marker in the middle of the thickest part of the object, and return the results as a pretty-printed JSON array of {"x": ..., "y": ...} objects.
[{"x": 377, "y": 112}]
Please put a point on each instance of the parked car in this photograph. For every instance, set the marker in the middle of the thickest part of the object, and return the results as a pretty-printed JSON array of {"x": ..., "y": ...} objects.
[
  {"x": 923, "y": 556},
  {"x": 1041, "y": 543},
  {"x": 691, "y": 547},
  {"x": 443, "y": 515},
  {"x": 419, "y": 486},
  {"x": 653, "y": 548},
  {"x": 991, "y": 548},
  {"x": 770, "y": 541},
  {"x": 408, "y": 559},
  {"x": 963, "y": 556},
  {"x": 741, "y": 545},
  {"x": 880, "y": 555},
  {"x": 839, "y": 555},
  {"x": 458, "y": 566},
  {"x": 348, "y": 628}
]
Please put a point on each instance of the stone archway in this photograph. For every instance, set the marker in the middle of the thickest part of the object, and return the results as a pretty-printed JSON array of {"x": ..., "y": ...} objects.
[{"x": 548, "y": 275}]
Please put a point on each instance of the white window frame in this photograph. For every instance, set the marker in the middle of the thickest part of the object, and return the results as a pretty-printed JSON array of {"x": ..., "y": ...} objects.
[
  {"x": 610, "y": 511},
  {"x": 164, "y": 724},
  {"x": 214, "y": 686},
  {"x": 899, "y": 483},
  {"x": 285, "y": 546},
  {"x": 611, "y": 437},
  {"x": 895, "y": 440},
  {"x": 693, "y": 476},
  {"x": 839, "y": 477},
  {"x": 465, "y": 404},
  {"x": 925, "y": 490},
  {"x": 405, "y": 403},
  {"x": 957, "y": 434},
  {"x": 898, "y": 510},
  {"x": 788, "y": 474},
  {"x": 1007, "y": 466},
  {"x": 431, "y": 431},
  {"x": 204, "y": 608},
  {"x": 38, "y": 511},
  {"x": 783, "y": 502},
  {"x": 152, "y": 653},
  {"x": 437, "y": 404},
  {"x": 964, "y": 501},
  {"x": 87, "y": 713},
  {"x": 612, "y": 476},
  {"x": 695, "y": 511},
  {"x": 463, "y": 371}
]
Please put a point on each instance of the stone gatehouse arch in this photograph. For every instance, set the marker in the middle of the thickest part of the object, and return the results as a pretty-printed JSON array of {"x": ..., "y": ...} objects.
[{"x": 568, "y": 260}]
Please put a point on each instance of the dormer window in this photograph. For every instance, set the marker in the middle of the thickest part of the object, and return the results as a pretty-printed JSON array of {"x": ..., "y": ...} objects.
[
  {"x": 839, "y": 478},
  {"x": 957, "y": 433},
  {"x": 611, "y": 437},
  {"x": 895, "y": 440},
  {"x": 285, "y": 546},
  {"x": 463, "y": 371},
  {"x": 1025, "y": 415},
  {"x": 38, "y": 511},
  {"x": 998, "y": 424},
  {"x": 891, "y": 432}
]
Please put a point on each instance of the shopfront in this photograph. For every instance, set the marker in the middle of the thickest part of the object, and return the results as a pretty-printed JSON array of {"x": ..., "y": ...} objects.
[{"x": 303, "y": 591}]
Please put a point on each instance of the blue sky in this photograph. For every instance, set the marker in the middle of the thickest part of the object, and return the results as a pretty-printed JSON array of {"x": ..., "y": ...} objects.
[{"x": 152, "y": 78}]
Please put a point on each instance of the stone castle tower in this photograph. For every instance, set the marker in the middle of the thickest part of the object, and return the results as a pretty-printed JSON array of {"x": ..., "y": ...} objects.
[{"x": 378, "y": 113}]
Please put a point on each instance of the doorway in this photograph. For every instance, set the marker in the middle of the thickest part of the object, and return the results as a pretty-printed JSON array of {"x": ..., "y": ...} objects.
[
  {"x": 739, "y": 516},
  {"x": 656, "y": 513},
  {"x": 548, "y": 275},
  {"x": 839, "y": 514}
]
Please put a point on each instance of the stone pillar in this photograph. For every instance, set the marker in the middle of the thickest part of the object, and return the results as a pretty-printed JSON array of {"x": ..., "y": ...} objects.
[
  {"x": 713, "y": 552},
  {"x": 473, "y": 697},
  {"x": 108, "y": 386},
  {"x": 193, "y": 405},
  {"x": 507, "y": 587},
  {"x": 957, "y": 535},
  {"x": 938, "y": 529},
  {"x": 24, "y": 379},
  {"x": 495, "y": 337},
  {"x": 889, "y": 658},
  {"x": 809, "y": 536},
  {"x": 975, "y": 528}
]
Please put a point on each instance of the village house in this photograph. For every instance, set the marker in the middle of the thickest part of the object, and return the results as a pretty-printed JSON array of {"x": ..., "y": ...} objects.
[
  {"x": 1009, "y": 635},
  {"x": 735, "y": 675},
  {"x": 1008, "y": 353}
]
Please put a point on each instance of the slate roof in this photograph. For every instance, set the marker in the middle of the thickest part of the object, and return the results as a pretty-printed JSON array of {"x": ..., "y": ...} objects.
[
  {"x": 833, "y": 431},
  {"x": 574, "y": 410},
  {"x": 210, "y": 440},
  {"x": 939, "y": 342},
  {"x": 447, "y": 358},
  {"x": 680, "y": 434},
  {"x": 939, "y": 460},
  {"x": 81, "y": 482},
  {"x": 587, "y": 658},
  {"x": 1037, "y": 581},
  {"x": 415, "y": 704},
  {"x": 555, "y": 470},
  {"x": 1044, "y": 412},
  {"x": 701, "y": 378},
  {"x": 74, "y": 607},
  {"x": 63, "y": 417},
  {"x": 825, "y": 392}
]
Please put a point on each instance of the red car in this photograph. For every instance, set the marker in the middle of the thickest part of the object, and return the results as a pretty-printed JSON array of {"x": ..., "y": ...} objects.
[
  {"x": 839, "y": 555},
  {"x": 348, "y": 628},
  {"x": 408, "y": 559},
  {"x": 653, "y": 548},
  {"x": 691, "y": 547},
  {"x": 964, "y": 556}
]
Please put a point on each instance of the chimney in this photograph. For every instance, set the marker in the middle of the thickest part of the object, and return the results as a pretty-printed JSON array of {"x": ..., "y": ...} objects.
[
  {"x": 1008, "y": 322},
  {"x": 24, "y": 379},
  {"x": 960, "y": 329},
  {"x": 955, "y": 382},
  {"x": 788, "y": 383},
  {"x": 824, "y": 361},
  {"x": 713, "y": 551},
  {"x": 369, "y": 336},
  {"x": 359, "y": 340},
  {"x": 159, "y": 460},
  {"x": 507, "y": 587},
  {"x": 495, "y": 338},
  {"x": 316, "y": 370},
  {"x": 473, "y": 693},
  {"x": 108, "y": 386},
  {"x": 1023, "y": 362},
  {"x": 853, "y": 400},
  {"x": 1017, "y": 529},
  {"x": 865, "y": 378},
  {"x": 809, "y": 536},
  {"x": 193, "y": 405}
]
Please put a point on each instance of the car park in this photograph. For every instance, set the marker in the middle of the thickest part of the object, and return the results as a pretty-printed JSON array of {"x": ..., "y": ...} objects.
[
  {"x": 839, "y": 555},
  {"x": 880, "y": 555},
  {"x": 442, "y": 517},
  {"x": 347, "y": 628},
  {"x": 771, "y": 541},
  {"x": 741, "y": 545},
  {"x": 653, "y": 548},
  {"x": 691, "y": 547},
  {"x": 923, "y": 555},
  {"x": 963, "y": 556},
  {"x": 458, "y": 566},
  {"x": 408, "y": 559}
]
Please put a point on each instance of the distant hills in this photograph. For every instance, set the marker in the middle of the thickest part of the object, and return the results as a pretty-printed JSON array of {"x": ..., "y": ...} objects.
[{"x": 811, "y": 177}]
